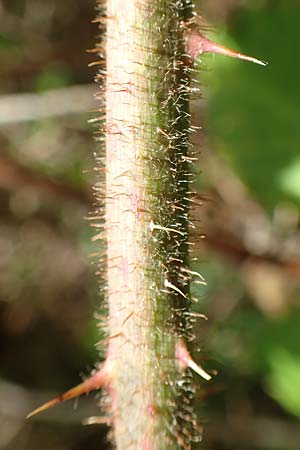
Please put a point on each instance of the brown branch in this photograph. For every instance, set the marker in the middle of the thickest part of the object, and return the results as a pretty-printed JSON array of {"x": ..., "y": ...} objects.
[
  {"x": 231, "y": 246},
  {"x": 14, "y": 176}
]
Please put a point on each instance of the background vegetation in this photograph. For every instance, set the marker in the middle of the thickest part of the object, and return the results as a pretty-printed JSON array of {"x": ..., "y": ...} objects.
[{"x": 249, "y": 186}]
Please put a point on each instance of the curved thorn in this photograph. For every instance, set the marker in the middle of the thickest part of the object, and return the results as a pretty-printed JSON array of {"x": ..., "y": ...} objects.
[
  {"x": 197, "y": 44},
  {"x": 185, "y": 360},
  {"x": 96, "y": 381}
]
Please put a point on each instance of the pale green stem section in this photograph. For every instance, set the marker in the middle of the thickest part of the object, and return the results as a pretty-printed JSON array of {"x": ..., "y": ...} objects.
[{"x": 146, "y": 222}]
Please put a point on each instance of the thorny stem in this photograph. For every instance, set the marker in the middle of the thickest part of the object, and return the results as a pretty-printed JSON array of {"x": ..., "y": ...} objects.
[
  {"x": 150, "y": 48},
  {"x": 146, "y": 221}
]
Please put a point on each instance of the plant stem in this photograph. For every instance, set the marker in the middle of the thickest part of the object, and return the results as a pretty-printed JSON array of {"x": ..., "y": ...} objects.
[{"x": 146, "y": 221}]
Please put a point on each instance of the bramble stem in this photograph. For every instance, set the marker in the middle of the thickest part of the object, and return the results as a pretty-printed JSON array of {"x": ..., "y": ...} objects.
[{"x": 146, "y": 221}]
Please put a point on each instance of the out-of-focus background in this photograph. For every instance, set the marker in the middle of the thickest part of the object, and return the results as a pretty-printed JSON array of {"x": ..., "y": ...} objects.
[{"x": 248, "y": 177}]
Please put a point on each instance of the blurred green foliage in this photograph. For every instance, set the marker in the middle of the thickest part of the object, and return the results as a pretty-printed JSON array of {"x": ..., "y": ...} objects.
[
  {"x": 253, "y": 113},
  {"x": 253, "y": 122}
]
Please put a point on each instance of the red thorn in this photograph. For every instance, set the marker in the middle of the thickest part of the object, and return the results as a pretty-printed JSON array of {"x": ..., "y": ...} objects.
[
  {"x": 185, "y": 360},
  {"x": 99, "y": 379},
  {"x": 197, "y": 44}
]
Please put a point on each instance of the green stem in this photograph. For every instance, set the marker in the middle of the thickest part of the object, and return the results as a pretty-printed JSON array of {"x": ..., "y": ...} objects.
[{"x": 146, "y": 221}]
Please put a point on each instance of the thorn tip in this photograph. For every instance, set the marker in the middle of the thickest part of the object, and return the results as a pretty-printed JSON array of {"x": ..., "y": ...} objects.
[
  {"x": 197, "y": 44},
  {"x": 95, "y": 381},
  {"x": 185, "y": 360}
]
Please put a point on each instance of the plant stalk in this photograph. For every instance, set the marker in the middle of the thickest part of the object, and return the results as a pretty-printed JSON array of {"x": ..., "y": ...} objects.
[{"x": 147, "y": 221}]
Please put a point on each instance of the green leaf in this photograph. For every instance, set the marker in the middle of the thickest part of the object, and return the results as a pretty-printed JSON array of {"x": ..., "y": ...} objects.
[{"x": 283, "y": 382}]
